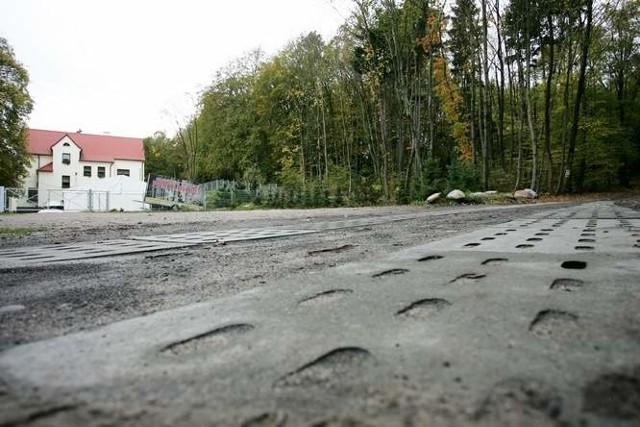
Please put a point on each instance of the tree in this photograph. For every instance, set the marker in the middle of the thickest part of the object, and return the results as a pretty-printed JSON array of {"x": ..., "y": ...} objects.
[
  {"x": 163, "y": 156},
  {"x": 15, "y": 107},
  {"x": 406, "y": 101}
]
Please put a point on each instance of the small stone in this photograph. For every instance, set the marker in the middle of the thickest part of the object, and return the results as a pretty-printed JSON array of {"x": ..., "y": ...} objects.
[
  {"x": 11, "y": 308},
  {"x": 456, "y": 195},
  {"x": 432, "y": 198},
  {"x": 491, "y": 192}
]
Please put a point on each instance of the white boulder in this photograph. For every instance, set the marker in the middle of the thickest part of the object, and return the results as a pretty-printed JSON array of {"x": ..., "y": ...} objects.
[
  {"x": 527, "y": 193},
  {"x": 432, "y": 198},
  {"x": 456, "y": 195},
  {"x": 478, "y": 195}
]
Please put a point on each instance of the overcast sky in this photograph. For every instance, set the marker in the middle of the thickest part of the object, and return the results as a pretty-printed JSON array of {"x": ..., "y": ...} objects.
[{"x": 132, "y": 67}]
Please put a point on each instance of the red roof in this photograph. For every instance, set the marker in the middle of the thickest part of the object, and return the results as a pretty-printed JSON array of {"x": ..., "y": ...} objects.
[
  {"x": 94, "y": 148},
  {"x": 46, "y": 168}
]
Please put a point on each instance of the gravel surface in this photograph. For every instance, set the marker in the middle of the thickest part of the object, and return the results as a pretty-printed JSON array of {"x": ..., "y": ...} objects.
[
  {"x": 65, "y": 298},
  {"x": 38, "y": 303}
]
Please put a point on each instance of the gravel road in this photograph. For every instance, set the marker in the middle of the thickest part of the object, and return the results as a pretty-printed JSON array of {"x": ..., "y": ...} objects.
[
  {"x": 61, "y": 299},
  {"x": 43, "y": 302}
]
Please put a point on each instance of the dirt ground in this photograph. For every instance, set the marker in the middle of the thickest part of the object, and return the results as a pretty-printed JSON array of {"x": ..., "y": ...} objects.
[{"x": 71, "y": 297}]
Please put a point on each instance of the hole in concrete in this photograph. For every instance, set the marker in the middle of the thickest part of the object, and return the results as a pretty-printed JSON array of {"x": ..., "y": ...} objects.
[
  {"x": 274, "y": 419},
  {"x": 469, "y": 276},
  {"x": 327, "y": 250},
  {"x": 215, "y": 338},
  {"x": 541, "y": 234},
  {"x": 430, "y": 258},
  {"x": 17, "y": 254},
  {"x": 574, "y": 265},
  {"x": 584, "y": 248},
  {"x": 566, "y": 284},
  {"x": 325, "y": 297},
  {"x": 522, "y": 399},
  {"x": 494, "y": 261},
  {"x": 534, "y": 239},
  {"x": 586, "y": 240},
  {"x": 471, "y": 245},
  {"x": 547, "y": 229},
  {"x": 554, "y": 324},
  {"x": 391, "y": 272},
  {"x": 335, "y": 366},
  {"x": 424, "y": 308},
  {"x": 524, "y": 246},
  {"x": 35, "y": 257},
  {"x": 614, "y": 395},
  {"x": 511, "y": 229},
  {"x": 587, "y": 235},
  {"x": 488, "y": 238},
  {"x": 500, "y": 234}
]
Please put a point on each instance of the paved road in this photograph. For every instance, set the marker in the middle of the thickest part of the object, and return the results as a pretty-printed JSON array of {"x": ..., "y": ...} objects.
[{"x": 531, "y": 322}]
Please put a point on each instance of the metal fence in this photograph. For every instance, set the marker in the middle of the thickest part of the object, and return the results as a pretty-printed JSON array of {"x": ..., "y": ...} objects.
[
  {"x": 222, "y": 193},
  {"x": 17, "y": 199}
]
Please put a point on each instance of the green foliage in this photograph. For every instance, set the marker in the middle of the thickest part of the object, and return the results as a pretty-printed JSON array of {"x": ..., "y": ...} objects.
[
  {"x": 19, "y": 231},
  {"x": 463, "y": 177},
  {"x": 401, "y": 105},
  {"x": 15, "y": 107},
  {"x": 163, "y": 156}
]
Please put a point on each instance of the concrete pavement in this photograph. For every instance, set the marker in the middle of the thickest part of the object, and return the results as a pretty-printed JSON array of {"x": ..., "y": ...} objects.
[{"x": 531, "y": 322}]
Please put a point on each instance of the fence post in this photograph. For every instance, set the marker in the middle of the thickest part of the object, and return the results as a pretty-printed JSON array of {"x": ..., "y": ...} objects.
[{"x": 2, "y": 200}]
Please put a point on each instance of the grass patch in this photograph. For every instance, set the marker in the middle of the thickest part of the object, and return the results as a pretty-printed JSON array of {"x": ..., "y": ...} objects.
[{"x": 19, "y": 231}]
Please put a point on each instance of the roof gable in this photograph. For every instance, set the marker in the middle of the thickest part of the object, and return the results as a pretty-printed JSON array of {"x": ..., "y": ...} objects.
[
  {"x": 65, "y": 140},
  {"x": 93, "y": 148}
]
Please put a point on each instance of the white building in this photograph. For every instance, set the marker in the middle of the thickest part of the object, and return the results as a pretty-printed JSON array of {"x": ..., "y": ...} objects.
[{"x": 64, "y": 160}]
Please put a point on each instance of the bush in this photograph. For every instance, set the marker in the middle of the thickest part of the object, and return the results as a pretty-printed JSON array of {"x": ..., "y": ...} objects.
[{"x": 462, "y": 176}]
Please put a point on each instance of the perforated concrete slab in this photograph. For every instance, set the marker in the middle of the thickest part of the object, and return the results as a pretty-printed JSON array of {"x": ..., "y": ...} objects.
[
  {"x": 37, "y": 255},
  {"x": 474, "y": 335},
  {"x": 552, "y": 236},
  {"x": 224, "y": 235}
]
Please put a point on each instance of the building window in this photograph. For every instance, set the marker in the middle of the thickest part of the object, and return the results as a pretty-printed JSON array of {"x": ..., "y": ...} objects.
[
  {"x": 124, "y": 172},
  {"x": 66, "y": 158},
  {"x": 87, "y": 171},
  {"x": 66, "y": 181},
  {"x": 101, "y": 171}
]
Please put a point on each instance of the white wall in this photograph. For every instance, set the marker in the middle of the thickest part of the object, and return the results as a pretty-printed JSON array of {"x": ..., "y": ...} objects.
[{"x": 136, "y": 168}]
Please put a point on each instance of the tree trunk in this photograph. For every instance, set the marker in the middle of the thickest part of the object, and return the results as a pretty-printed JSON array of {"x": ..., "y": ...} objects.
[
  {"x": 501, "y": 101},
  {"x": 531, "y": 123},
  {"x": 547, "y": 103},
  {"x": 485, "y": 98},
  {"x": 573, "y": 136}
]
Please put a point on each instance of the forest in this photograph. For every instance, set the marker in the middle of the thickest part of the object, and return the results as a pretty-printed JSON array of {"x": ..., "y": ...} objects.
[{"x": 417, "y": 96}]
